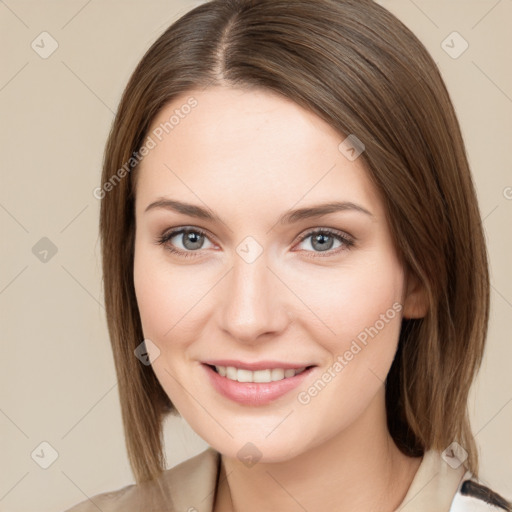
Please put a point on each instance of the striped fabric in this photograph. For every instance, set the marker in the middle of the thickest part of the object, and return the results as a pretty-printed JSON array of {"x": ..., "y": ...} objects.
[{"x": 473, "y": 496}]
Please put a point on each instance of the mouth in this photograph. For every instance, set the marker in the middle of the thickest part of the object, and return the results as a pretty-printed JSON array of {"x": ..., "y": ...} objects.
[
  {"x": 257, "y": 376},
  {"x": 255, "y": 387}
]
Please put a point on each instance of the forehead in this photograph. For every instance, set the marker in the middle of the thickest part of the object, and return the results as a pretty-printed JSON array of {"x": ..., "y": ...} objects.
[{"x": 244, "y": 148}]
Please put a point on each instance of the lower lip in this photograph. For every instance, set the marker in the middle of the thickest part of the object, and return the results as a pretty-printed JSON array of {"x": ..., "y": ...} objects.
[{"x": 254, "y": 393}]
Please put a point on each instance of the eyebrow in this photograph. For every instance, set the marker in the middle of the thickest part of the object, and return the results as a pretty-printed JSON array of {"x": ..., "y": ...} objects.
[{"x": 288, "y": 217}]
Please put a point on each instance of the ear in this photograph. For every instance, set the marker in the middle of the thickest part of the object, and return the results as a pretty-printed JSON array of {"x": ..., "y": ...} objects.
[{"x": 415, "y": 301}]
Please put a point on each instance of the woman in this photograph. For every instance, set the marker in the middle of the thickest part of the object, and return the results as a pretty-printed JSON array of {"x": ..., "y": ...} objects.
[{"x": 294, "y": 262}]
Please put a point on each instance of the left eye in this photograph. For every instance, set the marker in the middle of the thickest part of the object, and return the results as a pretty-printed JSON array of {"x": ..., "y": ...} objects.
[{"x": 322, "y": 240}]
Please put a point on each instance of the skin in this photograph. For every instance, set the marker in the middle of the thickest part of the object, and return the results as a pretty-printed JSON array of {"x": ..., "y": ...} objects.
[{"x": 249, "y": 156}]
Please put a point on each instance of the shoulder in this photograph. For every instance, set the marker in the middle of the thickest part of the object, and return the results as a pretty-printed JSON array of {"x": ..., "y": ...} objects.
[
  {"x": 186, "y": 486},
  {"x": 442, "y": 483},
  {"x": 473, "y": 496}
]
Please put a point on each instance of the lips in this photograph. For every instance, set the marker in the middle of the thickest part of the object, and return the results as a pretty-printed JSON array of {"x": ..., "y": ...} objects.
[
  {"x": 258, "y": 365},
  {"x": 250, "y": 392}
]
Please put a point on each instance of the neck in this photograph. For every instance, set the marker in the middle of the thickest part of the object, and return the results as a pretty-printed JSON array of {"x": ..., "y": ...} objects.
[{"x": 359, "y": 469}]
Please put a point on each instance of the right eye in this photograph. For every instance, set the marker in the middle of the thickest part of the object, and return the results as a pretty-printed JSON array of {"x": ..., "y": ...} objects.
[{"x": 191, "y": 239}]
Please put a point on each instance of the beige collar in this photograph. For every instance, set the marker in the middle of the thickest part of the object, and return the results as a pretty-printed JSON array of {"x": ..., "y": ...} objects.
[
  {"x": 433, "y": 487},
  {"x": 193, "y": 483}
]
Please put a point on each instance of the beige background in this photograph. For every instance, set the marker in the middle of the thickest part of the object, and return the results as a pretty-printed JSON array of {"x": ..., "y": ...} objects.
[{"x": 57, "y": 376}]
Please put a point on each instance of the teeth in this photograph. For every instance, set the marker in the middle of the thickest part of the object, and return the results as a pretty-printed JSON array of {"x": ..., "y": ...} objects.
[{"x": 269, "y": 375}]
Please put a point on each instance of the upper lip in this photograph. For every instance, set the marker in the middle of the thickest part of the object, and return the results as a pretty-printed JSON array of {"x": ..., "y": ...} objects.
[{"x": 257, "y": 365}]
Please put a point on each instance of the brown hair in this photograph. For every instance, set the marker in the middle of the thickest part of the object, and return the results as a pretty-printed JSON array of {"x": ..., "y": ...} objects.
[{"x": 361, "y": 70}]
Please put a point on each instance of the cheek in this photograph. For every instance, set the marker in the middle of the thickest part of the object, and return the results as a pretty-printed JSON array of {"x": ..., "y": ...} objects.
[
  {"x": 360, "y": 310},
  {"x": 370, "y": 310},
  {"x": 151, "y": 300},
  {"x": 165, "y": 300},
  {"x": 363, "y": 308},
  {"x": 167, "y": 295},
  {"x": 347, "y": 302}
]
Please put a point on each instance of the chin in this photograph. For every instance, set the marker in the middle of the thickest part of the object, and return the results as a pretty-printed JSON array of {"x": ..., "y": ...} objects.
[{"x": 261, "y": 448}]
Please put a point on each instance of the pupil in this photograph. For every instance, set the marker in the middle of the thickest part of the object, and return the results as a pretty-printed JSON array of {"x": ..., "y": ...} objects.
[
  {"x": 321, "y": 238},
  {"x": 194, "y": 239}
]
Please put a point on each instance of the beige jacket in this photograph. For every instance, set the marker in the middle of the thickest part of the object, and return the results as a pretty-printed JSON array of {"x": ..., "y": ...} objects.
[{"x": 191, "y": 485}]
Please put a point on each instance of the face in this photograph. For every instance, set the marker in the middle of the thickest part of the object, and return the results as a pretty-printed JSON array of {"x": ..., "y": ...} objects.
[{"x": 299, "y": 312}]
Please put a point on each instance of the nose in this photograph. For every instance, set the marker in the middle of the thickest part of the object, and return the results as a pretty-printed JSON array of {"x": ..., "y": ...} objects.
[{"x": 252, "y": 302}]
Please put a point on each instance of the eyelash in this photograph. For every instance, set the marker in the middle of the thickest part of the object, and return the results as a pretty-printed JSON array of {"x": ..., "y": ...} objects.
[{"x": 347, "y": 241}]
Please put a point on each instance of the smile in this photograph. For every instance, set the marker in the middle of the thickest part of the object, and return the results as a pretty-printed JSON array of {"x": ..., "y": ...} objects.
[
  {"x": 267, "y": 375},
  {"x": 255, "y": 387}
]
